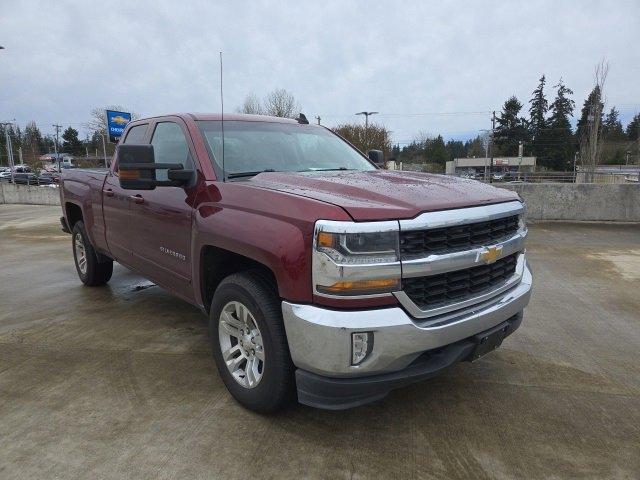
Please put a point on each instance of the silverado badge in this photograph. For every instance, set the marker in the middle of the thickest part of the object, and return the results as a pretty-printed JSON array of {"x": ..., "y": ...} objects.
[{"x": 491, "y": 255}]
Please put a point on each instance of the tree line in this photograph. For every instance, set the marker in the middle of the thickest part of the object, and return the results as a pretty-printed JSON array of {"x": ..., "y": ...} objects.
[
  {"x": 34, "y": 144},
  {"x": 546, "y": 133}
]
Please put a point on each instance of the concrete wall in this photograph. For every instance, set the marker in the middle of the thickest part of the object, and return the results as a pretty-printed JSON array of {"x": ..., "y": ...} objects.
[
  {"x": 581, "y": 202},
  {"x": 30, "y": 195},
  {"x": 545, "y": 201}
]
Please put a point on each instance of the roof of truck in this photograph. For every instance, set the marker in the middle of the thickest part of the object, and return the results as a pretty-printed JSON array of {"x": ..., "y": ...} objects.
[
  {"x": 241, "y": 116},
  {"x": 227, "y": 116}
]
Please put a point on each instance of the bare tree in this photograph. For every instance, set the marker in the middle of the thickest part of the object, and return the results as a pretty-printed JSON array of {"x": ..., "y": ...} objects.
[
  {"x": 590, "y": 144},
  {"x": 377, "y": 137},
  {"x": 98, "y": 120},
  {"x": 281, "y": 103},
  {"x": 251, "y": 105}
]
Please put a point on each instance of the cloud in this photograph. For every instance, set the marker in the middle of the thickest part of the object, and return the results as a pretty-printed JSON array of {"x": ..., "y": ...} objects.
[{"x": 336, "y": 57}]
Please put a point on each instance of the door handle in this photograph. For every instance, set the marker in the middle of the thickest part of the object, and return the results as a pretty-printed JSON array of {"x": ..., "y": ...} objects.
[
  {"x": 108, "y": 192},
  {"x": 137, "y": 198}
]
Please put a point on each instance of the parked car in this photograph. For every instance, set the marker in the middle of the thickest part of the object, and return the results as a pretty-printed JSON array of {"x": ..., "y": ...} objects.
[
  {"x": 25, "y": 178},
  {"x": 320, "y": 273},
  {"x": 21, "y": 171},
  {"x": 47, "y": 178}
]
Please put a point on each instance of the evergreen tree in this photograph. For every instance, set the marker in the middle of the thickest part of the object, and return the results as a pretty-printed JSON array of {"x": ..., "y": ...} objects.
[
  {"x": 511, "y": 129},
  {"x": 70, "y": 141},
  {"x": 15, "y": 133},
  {"x": 475, "y": 148},
  {"x": 455, "y": 149},
  {"x": 539, "y": 106},
  {"x": 612, "y": 127},
  {"x": 47, "y": 144},
  {"x": 633, "y": 128},
  {"x": 33, "y": 142},
  {"x": 436, "y": 151},
  {"x": 592, "y": 104},
  {"x": 613, "y": 143},
  {"x": 561, "y": 147}
]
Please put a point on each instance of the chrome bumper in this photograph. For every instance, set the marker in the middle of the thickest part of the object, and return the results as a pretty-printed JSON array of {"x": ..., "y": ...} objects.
[{"x": 320, "y": 339}]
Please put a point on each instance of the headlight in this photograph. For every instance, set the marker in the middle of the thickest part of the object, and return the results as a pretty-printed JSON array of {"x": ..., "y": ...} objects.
[
  {"x": 373, "y": 247},
  {"x": 522, "y": 220},
  {"x": 356, "y": 259}
]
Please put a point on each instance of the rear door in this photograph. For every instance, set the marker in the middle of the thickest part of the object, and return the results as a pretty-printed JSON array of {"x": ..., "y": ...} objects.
[
  {"x": 116, "y": 204},
  {"x": 161, "y": 218}
]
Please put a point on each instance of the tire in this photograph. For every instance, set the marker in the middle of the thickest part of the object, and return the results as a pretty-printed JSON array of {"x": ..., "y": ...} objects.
[
  {"x": 91, "y": 272},
  {"x": 275, "y": 388}
]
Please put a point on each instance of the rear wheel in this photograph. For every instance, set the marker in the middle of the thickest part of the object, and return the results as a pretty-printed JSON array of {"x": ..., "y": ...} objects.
[
  {"x": 249, "y": 342},
  {"x": 91, "y": 271}
]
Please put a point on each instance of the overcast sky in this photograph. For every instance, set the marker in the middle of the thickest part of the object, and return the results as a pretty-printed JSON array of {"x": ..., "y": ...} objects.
[{"x": 433, "y": 67}]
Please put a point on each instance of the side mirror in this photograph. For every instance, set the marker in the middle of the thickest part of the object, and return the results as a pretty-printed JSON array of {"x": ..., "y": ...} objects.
[
  {"x": 377, "y": 157},
  {"x": 137, "y": 167}
]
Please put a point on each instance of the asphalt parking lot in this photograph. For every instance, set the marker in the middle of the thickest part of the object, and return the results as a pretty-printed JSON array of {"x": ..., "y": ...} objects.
[{"x": 118, "y": 382}]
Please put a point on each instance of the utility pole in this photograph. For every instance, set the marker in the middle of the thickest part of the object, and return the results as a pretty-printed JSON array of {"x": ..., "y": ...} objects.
[
  {"x": 366, "y": 124},
  {"x": 104, "y": 150},
  {"x": 318, "y": 118},
  {"x": 520, "y": 153},
  {"x": 493, "y": 128},
  {"x": 55, "y": 145}
]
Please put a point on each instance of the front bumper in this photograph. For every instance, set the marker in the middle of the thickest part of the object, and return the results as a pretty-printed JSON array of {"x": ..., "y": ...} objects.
[
  {"x": 342, "y": 393},
  {"x": 320, "y": 339}
]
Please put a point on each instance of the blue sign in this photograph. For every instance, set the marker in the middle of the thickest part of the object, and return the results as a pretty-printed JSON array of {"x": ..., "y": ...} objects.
[{"x": 116, "y": 123}]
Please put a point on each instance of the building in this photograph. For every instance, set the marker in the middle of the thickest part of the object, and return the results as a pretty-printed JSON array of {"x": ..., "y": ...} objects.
[{"x": 477, "y": 166}]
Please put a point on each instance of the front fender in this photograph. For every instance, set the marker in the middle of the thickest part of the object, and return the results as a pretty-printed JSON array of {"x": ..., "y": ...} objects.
[{"x": 278, "y": 244}]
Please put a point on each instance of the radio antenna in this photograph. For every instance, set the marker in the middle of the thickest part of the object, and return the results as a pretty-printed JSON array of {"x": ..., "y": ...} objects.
[{"x": 224, "y": 176}]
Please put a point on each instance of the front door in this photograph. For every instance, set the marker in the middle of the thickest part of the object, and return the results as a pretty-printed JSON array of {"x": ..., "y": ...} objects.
[
  {"x": 161, "y": 218},
  {"x": 116, "y": 205},
  {"x": 115, "y": 208}
]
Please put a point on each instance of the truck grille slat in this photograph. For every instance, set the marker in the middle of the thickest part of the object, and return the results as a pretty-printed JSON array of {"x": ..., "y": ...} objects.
[
  {"x": 420, "y": 243},
  {"x": 437, "y": 290}
]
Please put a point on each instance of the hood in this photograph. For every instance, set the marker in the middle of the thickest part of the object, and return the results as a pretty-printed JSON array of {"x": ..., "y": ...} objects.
[{"x": 382, "y": 194}]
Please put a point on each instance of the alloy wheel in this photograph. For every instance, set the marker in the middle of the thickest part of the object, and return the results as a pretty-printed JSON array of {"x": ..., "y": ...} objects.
[{"x": 241, "y": 344}]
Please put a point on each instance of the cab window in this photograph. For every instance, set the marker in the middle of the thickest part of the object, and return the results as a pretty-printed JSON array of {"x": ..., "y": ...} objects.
[
  {"x": 136, "y": 134},
  {"x": 170, "y": 146}
]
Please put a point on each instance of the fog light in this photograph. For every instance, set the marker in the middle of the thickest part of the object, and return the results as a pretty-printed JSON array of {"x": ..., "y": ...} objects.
[{"x": 361, "y": 346}]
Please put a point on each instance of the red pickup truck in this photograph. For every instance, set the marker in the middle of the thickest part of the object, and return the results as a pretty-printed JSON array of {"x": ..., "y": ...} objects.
[{"x": 322, "y": 275}]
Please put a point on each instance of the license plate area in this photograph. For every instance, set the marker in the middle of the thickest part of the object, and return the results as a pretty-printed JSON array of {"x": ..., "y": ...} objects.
[{"x": 488, "y": 341}]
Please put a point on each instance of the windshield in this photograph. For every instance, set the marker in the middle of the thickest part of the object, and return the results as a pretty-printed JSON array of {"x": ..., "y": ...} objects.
[{"x": 252, "y": 147}]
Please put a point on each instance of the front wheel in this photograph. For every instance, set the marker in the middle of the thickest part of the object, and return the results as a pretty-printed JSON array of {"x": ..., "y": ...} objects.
[
  {"x": 91, "y": 271},
  {"x": 249, "y": 342}
]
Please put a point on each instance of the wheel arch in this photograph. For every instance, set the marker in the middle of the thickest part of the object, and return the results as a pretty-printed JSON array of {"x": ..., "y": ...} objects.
[
  {"x": 218, "y": 263},
  {"x": 73, "y": 213}
]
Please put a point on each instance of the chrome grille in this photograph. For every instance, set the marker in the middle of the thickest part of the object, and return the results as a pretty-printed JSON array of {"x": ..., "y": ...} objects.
[
  {"x": 438, "y": 290},
  {"x": 420, "y": 243}
]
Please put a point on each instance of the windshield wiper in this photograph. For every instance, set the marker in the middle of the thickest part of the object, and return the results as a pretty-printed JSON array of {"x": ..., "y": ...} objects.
[
  {"x": 326, "y": 169},
  {"x": 248, "y": 174}
]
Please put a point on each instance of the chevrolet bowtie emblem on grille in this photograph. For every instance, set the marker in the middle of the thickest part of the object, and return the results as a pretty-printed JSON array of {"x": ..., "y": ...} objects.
[{"x": 491, "y": 255}]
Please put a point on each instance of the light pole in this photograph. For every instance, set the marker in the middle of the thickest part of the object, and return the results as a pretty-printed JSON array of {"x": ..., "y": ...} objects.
[
  {"x": 366, "y": 124},
  {"x": 55, "y": 146}
]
